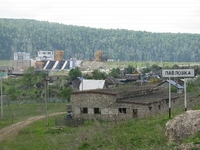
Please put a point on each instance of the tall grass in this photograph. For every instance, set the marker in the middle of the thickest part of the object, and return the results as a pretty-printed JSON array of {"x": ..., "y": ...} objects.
[
  {"x": 134, "y": 134},
  {"x": 143, "y": 134}
]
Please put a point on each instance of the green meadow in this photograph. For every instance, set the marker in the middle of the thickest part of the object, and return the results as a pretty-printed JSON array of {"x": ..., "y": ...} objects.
[{"x": 142, "y": 134}]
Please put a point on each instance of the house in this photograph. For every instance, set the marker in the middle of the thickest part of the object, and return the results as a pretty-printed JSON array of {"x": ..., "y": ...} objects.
[
  {"x": 173, "y": 83},
  {"x": 112, "y": 82},
  {"x": 155, "y": 79},
  {"x": 137, "y": 72},
  {"x": 91, "y": 84},
  {"x": 74, "y": 84},
  {"x": 132, "y": 77},
  {"x": 6, "y": 69},
  {"x": 80, "y": 84},
  {"x": 181, "y": 81},
  {"x": 121, "y": 103},
  {"x": 21, "y": 61}
]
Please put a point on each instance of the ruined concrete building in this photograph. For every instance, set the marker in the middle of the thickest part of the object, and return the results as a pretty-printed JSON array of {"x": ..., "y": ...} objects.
[{"x": 122, "y": 103}]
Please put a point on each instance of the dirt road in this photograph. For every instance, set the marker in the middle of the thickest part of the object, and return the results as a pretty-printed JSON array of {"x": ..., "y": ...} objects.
[{"x": 15, "y": 128}]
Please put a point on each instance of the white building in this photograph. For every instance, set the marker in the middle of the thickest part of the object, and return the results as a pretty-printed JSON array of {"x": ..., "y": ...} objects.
[
  {"x": 21, "y": 56},
  {"x": 21, "y": 60},
  {"x": 45, "y": 55}
]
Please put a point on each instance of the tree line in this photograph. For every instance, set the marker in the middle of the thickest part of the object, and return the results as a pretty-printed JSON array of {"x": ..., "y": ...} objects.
[{"x": 23, "y": 35}]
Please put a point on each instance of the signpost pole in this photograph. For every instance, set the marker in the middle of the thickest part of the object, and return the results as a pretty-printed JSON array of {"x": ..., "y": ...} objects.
[
  {"x": 82, "y": 83},
  {"x": 169, "y": 97},
  {"x": 168, "y": 73},
  {"x": 1, "y": 100},
  {"x": 46, "y": 109},
  {"x": 185, "y": 98}
]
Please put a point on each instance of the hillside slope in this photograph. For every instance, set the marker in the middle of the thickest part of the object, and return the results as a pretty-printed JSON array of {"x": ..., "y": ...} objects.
[{"x": 17, "y": 35}]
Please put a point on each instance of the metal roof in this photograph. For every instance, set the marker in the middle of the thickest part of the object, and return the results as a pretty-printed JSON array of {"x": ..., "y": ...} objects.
[
  {"x": 175, "y": 84},
  {"x": 91, "y": 84}
]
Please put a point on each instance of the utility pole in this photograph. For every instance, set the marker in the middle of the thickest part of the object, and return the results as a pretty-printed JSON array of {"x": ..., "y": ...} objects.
[
  {"x": 1, "y": 100},
  {"x": 46, "y": 108}
]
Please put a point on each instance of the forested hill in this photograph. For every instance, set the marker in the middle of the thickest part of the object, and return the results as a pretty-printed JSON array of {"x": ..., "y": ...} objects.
[{"x": 21, "y": 35}]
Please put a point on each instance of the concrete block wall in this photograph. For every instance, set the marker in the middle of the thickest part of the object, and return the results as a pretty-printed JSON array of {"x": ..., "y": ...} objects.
[{"x": 110, "y": 109}]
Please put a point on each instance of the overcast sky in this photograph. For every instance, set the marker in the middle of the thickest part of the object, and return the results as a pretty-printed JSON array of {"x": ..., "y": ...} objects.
[{"x": 140, "y": 15}]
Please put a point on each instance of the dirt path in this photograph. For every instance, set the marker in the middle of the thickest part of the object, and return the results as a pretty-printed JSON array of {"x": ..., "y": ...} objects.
[{"x": 15, "y": 128}]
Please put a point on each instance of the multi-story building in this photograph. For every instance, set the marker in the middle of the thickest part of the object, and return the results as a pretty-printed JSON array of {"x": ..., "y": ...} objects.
[
  {"x": 21, "y": 60},
  {"x": 45, "y": 55}
]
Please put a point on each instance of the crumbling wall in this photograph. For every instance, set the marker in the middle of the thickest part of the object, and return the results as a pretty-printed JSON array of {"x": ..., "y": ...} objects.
[{"x": 111, "y": 107}]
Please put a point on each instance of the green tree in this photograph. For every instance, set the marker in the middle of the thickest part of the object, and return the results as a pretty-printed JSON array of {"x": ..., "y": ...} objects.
[
  {"x": 155, "y": 67},
  {"x": 146, "y": 70},
  {"x": 65, "y": 93},
  {"x": 41, "y": 76},
  {"x": 98, "y": 75},
  {"x": 14, "y": 93},
  {"x": 115, "y": 72},
  {"x": 74, "y": 73},
  {"x": 193, "y": 85},
  {"x": 82, "y": 42},
  {"x": 175, "y": 66},
  {"x": 29, "y": 77},
  {"x": 197, "y": 70},
  {"x": 130, "y": 69},
  {"x": 88, "y": 76}
]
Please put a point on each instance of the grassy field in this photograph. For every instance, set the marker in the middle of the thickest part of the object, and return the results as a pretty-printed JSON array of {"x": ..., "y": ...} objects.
[
  {"x": 6, "y": 62},
  {"x": 137, "y": 134},
  {"x": 121, "y": 64},
  {"x": 16, "y": 112},
  {"x": 142, "y": 134},
  {"x": 115, "y": 64}
]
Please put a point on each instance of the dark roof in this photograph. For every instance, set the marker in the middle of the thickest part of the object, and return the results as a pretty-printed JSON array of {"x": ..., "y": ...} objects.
[
  {"x": 112, "y": 81},
  {"x": 156, "y": 97},
  {"x": 75, "y": 83},
  {"x": 122, "y": 90},
  {"x": 143, "y": 95},
  {"x": 132, "y": 77},
  {"x": 175, "y": 84},
  {"x": 6, "y": 68},
  {"x": 172, "y": 83}
]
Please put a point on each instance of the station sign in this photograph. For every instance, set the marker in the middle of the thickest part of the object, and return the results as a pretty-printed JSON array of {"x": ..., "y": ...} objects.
[{"x": 178, "y": 73}]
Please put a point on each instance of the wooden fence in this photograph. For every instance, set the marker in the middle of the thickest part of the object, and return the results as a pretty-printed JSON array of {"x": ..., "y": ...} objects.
[{"x": 72, "y": 122}]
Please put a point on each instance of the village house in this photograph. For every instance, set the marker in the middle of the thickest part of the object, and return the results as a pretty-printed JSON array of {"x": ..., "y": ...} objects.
[
  {"x": 6, "y": 69},
  {"x": 181, "y": 81},
  {"x": 80, "y": 83},
  {"x": 87, "y": 84},
  {"x": 121, "y": 103},
  {"x": 175, "y": 84}
]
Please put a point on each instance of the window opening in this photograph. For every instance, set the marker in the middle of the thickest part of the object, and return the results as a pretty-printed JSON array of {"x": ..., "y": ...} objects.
[
  {"x": 84, "y": 110},
  {"x": 135, "y": 113},
  {"x": 97, "y": 111},
  {"x": 122, "y": 110}
]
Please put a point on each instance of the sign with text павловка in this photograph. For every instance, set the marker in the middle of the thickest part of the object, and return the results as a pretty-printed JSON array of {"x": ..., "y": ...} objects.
[{"x": 178, "y": 73}]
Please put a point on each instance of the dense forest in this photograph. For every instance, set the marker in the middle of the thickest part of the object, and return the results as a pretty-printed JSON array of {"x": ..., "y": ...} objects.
[{"x": 22, "y": 35}]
